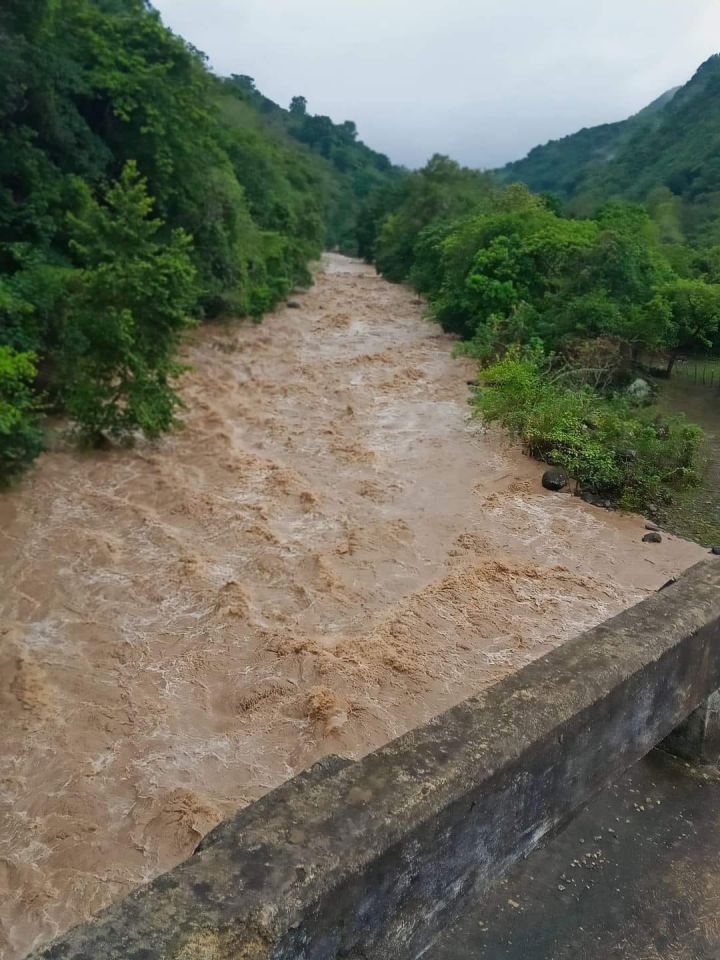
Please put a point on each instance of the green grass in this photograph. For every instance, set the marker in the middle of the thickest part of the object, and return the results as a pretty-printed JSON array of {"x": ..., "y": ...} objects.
[
  {"x": 696, "y": 512},
  {"x": 703, "y": 371}
]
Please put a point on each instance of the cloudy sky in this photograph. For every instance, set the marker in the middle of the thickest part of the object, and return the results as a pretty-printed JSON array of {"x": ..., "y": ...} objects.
[{"x": 482, "y": 80}]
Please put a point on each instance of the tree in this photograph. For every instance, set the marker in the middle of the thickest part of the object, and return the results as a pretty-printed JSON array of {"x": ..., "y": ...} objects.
[
  {"x": 298, "y": 106},
  {"x": 244, "y": 82},
  {"x": 442, "y": 190},
  {"x": 348, "y": 129},
  {"x": 687, "y": 314},
  {"x": 127, "y": 308},
  {"x": 23, "y": 16},
  {"x": 553, "y": 202}
]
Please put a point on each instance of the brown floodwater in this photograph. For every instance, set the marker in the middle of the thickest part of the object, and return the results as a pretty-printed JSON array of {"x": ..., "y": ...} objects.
[{"x": 327, "y": 554}]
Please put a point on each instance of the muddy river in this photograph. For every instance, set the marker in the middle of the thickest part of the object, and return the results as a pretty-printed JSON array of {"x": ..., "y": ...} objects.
[{"x": 327, "y": 554}]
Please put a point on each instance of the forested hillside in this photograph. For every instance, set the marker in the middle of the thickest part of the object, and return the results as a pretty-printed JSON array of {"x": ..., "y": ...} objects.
[
  {"x": 349, "y": 170},
  {"x": 561, "y": 165},
  {"x": 140, "y": 194},
  {"x": 668, "y": 156}
]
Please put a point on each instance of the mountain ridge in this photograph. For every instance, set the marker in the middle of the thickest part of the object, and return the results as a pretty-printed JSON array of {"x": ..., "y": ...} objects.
[{"x": 672, "y": 144}]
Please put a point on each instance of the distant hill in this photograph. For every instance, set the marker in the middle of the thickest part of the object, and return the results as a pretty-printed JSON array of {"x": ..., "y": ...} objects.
[
  {"x": 668, "y": 155},
  {"x": 348, "y": 170}
]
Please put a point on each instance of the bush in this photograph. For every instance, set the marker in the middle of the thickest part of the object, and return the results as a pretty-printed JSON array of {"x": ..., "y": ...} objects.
[
  {"x": 20, "y": 436},
  {"x": 607, "y": 446}
]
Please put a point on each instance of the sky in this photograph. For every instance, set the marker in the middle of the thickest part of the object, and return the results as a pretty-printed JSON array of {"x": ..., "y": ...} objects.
[{"x": 481, "y": 80}]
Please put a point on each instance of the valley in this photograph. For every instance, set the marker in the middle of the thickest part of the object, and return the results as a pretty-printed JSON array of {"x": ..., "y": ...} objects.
[{"x": 326, "y": 554}]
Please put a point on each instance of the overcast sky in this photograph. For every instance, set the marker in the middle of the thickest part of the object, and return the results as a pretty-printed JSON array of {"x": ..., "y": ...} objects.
[{"x": 481, "y": 80}]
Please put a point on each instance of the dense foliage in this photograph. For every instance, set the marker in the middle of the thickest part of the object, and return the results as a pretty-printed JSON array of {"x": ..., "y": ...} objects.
[
  {"x": 127, "y": 304},
  {"x": 562, "y": 310},
  {"x": 345, "y": 170},
  {"x": 20, "y": 437},
  {"x": 502, "y": 266},
  {"x": 605, "y": 444},
  {"x": 440, "y": 192},
  {"x": 138, "y": 191}
]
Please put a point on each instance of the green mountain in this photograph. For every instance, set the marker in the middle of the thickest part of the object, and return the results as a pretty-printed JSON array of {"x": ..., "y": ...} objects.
[
  {"x": 347, "y": 169},
  {"x": 667, "y": 155}
]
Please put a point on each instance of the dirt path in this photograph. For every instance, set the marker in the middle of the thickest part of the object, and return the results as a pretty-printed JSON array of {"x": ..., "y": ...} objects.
[{"x": 326, "y": 555}]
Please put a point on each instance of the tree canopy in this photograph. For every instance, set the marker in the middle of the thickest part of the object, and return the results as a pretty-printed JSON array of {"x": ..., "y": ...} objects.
[
  {"x": 139, "y": 193},
  {"x": 560, "y": 310}
]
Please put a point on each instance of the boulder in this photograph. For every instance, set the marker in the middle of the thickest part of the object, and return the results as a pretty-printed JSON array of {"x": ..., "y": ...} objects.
[
  {"x": 640, "y": 390},
  {"x": 653, "y": 537},
  {"x": 715, "y": 551},
  {"x": 554, "y": 480},
  {"x": 651, "y": 526},
  {"x": 294, "y": 305}
]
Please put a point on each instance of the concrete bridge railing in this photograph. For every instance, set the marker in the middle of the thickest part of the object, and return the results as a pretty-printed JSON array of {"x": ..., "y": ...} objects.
[{"x": 371, "y": 859}]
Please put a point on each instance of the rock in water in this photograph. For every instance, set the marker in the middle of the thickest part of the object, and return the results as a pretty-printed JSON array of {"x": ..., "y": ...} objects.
[
  {"x": 554, "y": 480},
  {"x": 653, "y": 537},
  {"x": 651, "y": 526},
  {"x": 715, "y": 551},
  {"x": 293, "y": 305}
]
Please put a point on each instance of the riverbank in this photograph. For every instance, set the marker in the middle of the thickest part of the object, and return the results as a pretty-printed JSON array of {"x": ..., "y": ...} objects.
[
  {"x": 327, "y": 555},
  {"x": 696, "y": 513}
]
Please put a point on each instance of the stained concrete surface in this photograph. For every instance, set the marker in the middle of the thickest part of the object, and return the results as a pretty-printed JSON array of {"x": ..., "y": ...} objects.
[{"x": 635, "y": 876}]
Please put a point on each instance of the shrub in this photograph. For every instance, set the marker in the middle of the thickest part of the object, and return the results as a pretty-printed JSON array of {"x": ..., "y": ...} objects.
[
  {"x": 20, "y": 435},
  {"x": 606, "y": 445}
]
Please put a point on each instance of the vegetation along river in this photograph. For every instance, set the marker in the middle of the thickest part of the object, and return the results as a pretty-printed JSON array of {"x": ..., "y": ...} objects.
[
  {"x": 328, "y": 554},
  {"x": 696, "y": 513}
]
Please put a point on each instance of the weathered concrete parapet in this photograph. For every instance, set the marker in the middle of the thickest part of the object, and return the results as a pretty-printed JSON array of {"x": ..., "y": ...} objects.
[
  {"x": 698, "y": 738},
  {"x": 369, "y": 859}
]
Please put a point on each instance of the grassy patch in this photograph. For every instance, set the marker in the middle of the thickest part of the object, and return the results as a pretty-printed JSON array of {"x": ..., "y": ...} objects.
[{"x": 608, "y": 446}]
